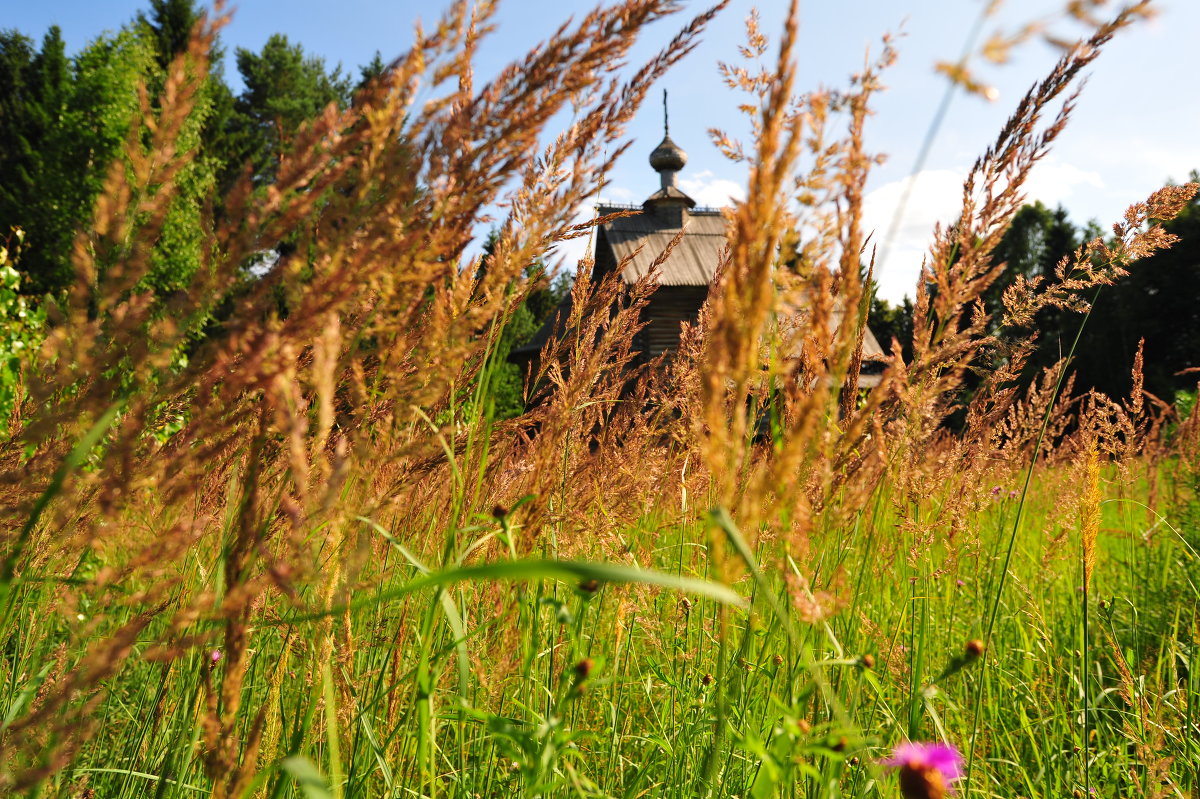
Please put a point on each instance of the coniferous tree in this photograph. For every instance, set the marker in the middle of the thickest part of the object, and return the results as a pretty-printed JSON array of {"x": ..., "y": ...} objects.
[
  {"x": 64, "y": 124},
  {"x": 283, "y": 89},
  {"x": 890, "y": 322},
  {"x": 16, "y": 67},
  {"x": 170, "y": 23},
  {"x": 47, "y": 145},
  {"x": 371, "y": 70},
  {"x": 507, "y": 389},
  {"x": 1036, "y": 241},
  {"x": 168, "y": 28},
  {"x": 1159, "y": 302}
]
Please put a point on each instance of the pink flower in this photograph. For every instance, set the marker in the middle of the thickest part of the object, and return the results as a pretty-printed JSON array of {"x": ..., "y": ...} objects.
[
  {"x": 215, "y": 655},
  {"x": 926, "y": 770}
]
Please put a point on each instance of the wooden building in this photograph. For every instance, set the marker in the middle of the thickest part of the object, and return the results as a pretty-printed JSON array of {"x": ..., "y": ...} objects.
[{"x": 684, "y": 278}]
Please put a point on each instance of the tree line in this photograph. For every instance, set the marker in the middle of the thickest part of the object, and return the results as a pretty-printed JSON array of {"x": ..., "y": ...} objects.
[
  {"x": 1158, "y": 303},
  {"x": 64, "y": 119}
]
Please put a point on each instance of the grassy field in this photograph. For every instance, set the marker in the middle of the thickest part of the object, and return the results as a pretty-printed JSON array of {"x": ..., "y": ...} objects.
[
  {"x": 576, "y": 680},
  {"x": 265, "y": 537}
]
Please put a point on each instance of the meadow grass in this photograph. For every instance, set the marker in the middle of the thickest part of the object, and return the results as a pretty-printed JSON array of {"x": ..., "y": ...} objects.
[
  {"x": 589, "y": 686},
  {"x": 729, "y": 574}
]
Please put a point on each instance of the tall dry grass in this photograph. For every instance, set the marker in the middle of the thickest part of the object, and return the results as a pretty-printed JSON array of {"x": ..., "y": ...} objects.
[{"x": 335, "y": 440}]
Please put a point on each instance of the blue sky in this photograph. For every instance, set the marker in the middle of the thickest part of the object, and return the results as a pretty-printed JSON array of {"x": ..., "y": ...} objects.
[{"x": 1134, "y": 126}]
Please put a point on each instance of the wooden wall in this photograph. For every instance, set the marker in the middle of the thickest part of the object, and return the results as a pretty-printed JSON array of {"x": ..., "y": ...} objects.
[{"x": 669, "y": 307}]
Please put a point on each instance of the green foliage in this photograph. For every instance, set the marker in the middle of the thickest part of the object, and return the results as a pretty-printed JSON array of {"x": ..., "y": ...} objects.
[
  {"x": 1158, "y": 302},
  {"x": 371, "y": 70},
  {"x": 892, "y": 322},
  {"x": 508, "y": 390},
  {"x": 42, "y": 156},
  {"x": 1185, "y": 403},
  {"x": 284, "y": 88},
  {"x": 1035, "y": 242},
  {"x": 170, "y": 24},
  {"x": 16, "y": 76},
  {"x": 21, "y": 329},
  {"x": 69, "y": 120},
  {"x": 64, "y": 121},
  {"x": 507, "y": 387}
]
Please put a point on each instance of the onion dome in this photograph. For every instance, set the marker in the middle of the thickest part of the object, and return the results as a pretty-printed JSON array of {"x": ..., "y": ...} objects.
[
  {"x": 668, "y": 156},
  {"x": 667, "y": 159}
]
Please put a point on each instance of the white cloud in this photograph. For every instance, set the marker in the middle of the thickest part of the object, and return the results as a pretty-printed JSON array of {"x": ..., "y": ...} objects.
[
  {"x": 617, "y": 194},
  {"x": 1132, "y": 169},
  {"x": 936, "y": 196},
  {"x": 567, "y": 254},
  {"x": 1160, "y": 163},
  {"x": 1053, "y": 181},
  {"x": 706, "y": 189}
]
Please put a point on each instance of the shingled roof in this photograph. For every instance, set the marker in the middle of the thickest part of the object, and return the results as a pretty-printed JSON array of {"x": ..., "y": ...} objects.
[{"x": 642, "y": 238}]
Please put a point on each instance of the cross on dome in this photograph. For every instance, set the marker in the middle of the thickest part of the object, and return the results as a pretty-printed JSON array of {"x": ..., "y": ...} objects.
[{"x": 668, "y": 157}]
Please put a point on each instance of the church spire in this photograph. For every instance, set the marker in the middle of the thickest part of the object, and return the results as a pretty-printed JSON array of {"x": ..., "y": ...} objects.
[{"x": 668, "y": 157}]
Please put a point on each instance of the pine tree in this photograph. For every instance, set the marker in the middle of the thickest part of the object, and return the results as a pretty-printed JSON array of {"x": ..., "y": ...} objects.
[
  {"x": 35, "y": 191},
  {"x": 284, "y": 89},
  {"x": 170, "y": 24},
  {"x": 1159, "y": 302},
  {"x": 62, "y": 124},
  {"x": 371, "y": 70},
  {"x": 16, "y": 66}
]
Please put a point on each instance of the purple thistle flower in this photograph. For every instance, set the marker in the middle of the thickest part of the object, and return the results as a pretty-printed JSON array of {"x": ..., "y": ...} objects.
[
  {"x": 215, "y": 655},
  {"x": 926, "y": 769},
  {"x": 995, "y": 491}
]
